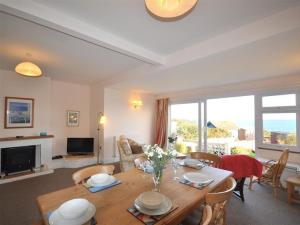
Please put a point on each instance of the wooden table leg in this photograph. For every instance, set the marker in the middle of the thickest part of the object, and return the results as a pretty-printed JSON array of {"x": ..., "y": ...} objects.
[{"x": 290, "y": 191}]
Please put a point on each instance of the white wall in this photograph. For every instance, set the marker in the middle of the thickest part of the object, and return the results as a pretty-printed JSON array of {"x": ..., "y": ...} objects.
[
  {"x": 122, "y": 118},
  {"x": 13, "y": 85},
  {"x": 52, "y": 99},
  {"x": 68, "y": 96}
]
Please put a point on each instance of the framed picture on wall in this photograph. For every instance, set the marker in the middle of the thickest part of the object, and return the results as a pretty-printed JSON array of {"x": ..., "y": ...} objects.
[
  {"x": 19, "y": 112},
  {"x": 73, "y": 118}
]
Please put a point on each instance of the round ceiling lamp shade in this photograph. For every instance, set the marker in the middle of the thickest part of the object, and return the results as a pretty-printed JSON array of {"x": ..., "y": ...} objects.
[
  {"x": 28, "y": 69},
  {"x": 170, "y": 8}
]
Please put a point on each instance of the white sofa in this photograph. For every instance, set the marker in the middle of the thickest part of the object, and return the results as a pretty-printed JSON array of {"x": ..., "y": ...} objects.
[{"x": 126, "y": 156}]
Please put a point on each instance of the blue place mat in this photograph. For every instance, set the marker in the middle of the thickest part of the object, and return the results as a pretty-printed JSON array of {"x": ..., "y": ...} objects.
[{"x": 96, "y": 189}]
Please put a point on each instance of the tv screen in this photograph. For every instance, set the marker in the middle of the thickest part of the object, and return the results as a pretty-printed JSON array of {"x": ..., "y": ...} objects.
[{"x": 80, "y": 145}]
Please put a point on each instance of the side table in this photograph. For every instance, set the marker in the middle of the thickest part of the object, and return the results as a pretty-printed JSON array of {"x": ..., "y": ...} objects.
[{"x": 291, "y": 182}]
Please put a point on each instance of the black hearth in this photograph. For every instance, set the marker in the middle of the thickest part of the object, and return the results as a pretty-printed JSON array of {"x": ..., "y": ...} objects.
[{"x": 17, "y": 159}]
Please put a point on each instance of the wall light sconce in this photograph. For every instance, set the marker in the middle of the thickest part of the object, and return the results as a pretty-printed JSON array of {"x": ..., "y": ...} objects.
[{"x": 137, "y": 104}]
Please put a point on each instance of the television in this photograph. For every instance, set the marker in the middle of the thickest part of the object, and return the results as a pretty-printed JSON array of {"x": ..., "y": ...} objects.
[{"x": 80, "y": 146}]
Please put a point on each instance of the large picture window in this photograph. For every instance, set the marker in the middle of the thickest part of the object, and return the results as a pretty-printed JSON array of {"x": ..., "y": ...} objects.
[{"x": 277, "y": 117}]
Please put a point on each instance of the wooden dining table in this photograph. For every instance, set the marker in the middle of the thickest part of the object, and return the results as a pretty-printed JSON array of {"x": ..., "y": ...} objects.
[{"x": 112, "y": 204}]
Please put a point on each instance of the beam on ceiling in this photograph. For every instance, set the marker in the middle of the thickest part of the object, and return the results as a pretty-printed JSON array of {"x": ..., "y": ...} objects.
[
  {"x": 261, "y": 29},
  {"x": 37, "y": 13}
]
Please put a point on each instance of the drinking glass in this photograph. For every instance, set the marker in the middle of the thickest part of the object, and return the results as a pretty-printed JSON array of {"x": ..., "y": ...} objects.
[{"x": 175, "y": 165}]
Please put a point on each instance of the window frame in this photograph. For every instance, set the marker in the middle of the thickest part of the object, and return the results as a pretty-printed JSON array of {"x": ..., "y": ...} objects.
[{"x": 260, "y": 110}]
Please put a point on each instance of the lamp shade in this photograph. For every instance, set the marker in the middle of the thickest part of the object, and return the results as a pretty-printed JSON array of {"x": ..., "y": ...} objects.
[
  {"x": 102, "y": 120},
  {"x": 28, "y": 69},
  {"x": 169, "y": 8}
]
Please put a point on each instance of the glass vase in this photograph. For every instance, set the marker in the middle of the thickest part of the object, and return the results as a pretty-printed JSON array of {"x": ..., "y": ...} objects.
[{"x": 157, "y": 176}]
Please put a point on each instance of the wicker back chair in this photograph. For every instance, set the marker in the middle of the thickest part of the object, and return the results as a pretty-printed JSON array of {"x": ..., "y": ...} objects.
[
  {"x": 273, "y": 172},
  {"x": 211, "y": 159}
]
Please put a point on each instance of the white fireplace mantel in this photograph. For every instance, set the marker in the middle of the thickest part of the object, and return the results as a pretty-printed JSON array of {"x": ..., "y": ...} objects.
[{"x": 43, "y": 143}]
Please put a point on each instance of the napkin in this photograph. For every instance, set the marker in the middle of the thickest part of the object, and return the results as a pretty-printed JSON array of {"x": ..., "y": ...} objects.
[
  {"x": 146, "y": 219},
  {"x": 92, "y": 221},
  {"x": 193, "y": 163},
  {"x": 96, "y": 189},
  {"x": 195, "y": 185}
]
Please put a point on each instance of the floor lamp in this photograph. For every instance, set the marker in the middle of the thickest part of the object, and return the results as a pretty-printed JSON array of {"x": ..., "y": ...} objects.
[{"x": 100, "y": 122}]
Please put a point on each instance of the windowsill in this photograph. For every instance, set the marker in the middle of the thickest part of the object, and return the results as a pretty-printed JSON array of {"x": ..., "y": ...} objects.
[{"x": 277, "y": 150}]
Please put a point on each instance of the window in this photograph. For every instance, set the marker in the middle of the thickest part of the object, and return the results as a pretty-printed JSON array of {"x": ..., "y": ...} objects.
[
  {"x": 230, "y": 128},
  {"x": 279, "y": 100},
  {"x": 277, "y": 126},
  {"x": 184, "y": 123}
]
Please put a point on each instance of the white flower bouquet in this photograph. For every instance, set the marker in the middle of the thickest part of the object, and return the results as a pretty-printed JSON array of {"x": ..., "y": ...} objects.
[{"x": 158, "y": 159}]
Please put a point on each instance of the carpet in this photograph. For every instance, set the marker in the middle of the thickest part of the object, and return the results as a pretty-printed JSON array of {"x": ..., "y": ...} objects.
[{"x": 18, "y": 202}]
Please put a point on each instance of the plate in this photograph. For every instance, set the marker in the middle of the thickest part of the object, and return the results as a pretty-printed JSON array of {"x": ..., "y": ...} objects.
[
  {"x": 57, "y": 219},
  {"x": 165, "y": 207},
  {"x": 197, "y": 178},
  {"x": 108, "y": 181}
]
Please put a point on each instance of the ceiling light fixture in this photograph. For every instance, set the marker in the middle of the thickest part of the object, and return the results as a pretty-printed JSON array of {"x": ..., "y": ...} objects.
[
  {"x": 170, "y": 8},
  {"x": 28, "y": 69}
]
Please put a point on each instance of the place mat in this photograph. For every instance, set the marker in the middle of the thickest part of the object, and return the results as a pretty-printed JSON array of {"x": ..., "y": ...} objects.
[
  {"x": 92, "y": 221},
  {"x": 96, "y": 189},
  {"x": 195, "y": 185},
  {"x": 146, "y": 219}
]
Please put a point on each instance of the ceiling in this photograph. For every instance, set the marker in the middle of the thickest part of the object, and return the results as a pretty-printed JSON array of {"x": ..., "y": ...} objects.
[
  {"x": 119, "y": 44},
  {"x": 276, "y": 56},
  {"x": 60, "y": 56},
  {"x": 129, "y": 20}
]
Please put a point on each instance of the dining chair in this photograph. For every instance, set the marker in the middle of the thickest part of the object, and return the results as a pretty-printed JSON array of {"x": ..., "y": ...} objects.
[
  {"x": 212, "y": 159},
  {"x": 272, "y": 173},
  {"x": 206, "y": 215},
  {"x": 85, "y": 173},
  {"x": 218, "y": 201}
]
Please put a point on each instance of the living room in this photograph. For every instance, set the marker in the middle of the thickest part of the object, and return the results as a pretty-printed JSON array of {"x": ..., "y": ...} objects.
[{"x": 186, "y": 82}]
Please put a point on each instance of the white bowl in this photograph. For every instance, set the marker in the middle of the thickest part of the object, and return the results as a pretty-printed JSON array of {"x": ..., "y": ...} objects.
[
  {"x": 100, "y": 178},
  {"x": 73, "y": 208},
  {"x": 151, "y": 199},
  {"x": 56, "y": 218},
  {"x": 92, "y": 183}
]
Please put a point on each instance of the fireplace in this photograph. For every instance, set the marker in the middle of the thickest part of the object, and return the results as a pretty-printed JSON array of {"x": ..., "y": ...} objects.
[{"x": 18, "y": 159}]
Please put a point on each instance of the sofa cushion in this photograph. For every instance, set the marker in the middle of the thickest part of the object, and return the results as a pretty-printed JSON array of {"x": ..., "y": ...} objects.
[
  {"x": 136, "y": 148},
  {"x": 125, "y": 146}
]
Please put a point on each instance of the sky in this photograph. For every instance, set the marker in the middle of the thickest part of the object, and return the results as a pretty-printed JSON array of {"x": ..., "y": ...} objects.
[{"x": 237, "y": 108}]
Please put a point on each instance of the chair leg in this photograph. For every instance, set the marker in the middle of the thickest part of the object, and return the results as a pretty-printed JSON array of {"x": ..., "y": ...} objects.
[{"x": 250, "y": 183}]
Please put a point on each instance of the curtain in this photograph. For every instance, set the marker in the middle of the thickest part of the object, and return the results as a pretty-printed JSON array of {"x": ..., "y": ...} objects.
[{"x": 161, "y": 122}]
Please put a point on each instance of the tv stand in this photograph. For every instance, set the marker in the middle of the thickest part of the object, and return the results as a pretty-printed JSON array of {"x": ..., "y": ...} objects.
[{"x": 75, "y": 161}]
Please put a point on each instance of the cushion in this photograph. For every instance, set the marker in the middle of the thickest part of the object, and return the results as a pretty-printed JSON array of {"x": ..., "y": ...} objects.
[
  {"x": 270, "y": 170},
  {"x": 125, "y": 146},
  {"x": 135, "y": 147}
]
